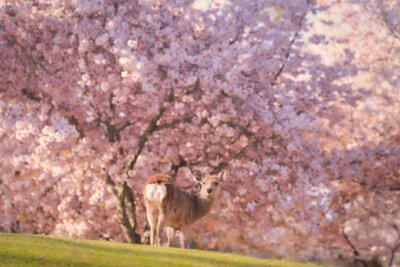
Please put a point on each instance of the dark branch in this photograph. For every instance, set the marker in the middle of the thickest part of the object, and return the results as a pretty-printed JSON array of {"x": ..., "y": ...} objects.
[
  {"x": 175, "y": 167},
  {"x": 125, "y": 125},
  {"x": 393, "y": 225},
  {"x": 73, "y": 121},
  {"x": 182, "y": 163},
  {"x": 289, "y": 49},
  {"x": 111, "y": 104},
  {"x": 51, "y": 187},
  {"x": 221, "y": 165},
  {"x": 389, "y": 25},
  {"x": 173, "y": 123},
  {"x": 196, "y": 91},
  {"x": 112, "y": 132},
  {"x": 30, "y": 95},
  {"x": 355, "y": 251},
  {"x": 376, "y": 215},
  {"x": 244, "y": 129},
  {"x": 110, "y": 182},
  {"x": 152, "y": 127},
  {"x": 393, "y": 254}
]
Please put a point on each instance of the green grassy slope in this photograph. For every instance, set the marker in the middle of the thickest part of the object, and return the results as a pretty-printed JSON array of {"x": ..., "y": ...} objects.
[{"x": 22, "y": 250}]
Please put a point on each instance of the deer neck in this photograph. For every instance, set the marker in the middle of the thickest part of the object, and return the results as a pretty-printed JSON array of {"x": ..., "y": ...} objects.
[{"x": 204, "y": 205}]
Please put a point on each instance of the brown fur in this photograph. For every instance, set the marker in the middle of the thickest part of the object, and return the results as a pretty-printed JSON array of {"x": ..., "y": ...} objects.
[{"x": 160, "y": 178}]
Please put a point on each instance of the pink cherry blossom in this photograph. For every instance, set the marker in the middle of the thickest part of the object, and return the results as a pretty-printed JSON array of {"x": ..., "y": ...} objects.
[{"x": 297, "y": 100}]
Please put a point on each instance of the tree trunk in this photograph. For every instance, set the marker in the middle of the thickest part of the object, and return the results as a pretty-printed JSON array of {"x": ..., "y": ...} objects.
[
  {"x": 126, "y": 209},
  {"x": 131, "y": 211}
]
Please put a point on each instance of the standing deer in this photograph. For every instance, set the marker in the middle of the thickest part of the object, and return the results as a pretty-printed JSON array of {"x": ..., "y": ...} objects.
[{"x": 167, "y": 205}]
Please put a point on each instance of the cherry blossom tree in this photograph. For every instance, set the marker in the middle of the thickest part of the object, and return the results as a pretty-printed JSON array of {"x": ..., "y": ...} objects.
[{"x": 297, "y": 100}]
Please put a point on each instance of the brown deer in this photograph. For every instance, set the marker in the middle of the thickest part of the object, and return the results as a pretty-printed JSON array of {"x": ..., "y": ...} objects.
[{"x": 167, "y": 205}]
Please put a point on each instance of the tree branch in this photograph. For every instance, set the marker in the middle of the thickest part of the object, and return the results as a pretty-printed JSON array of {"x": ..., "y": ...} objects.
[
  {"x": 289, "y": 49},
  {"x": 376, "y": 215},
  {"x": 125, "y": 125},
  {"x": 175, "y": 168},
  {"x": 355, "y": 251},
  {"x": 394, "y": 226},
  {"x": 244, "y": 129},
  {"x": 73, "y": 121},
  {"x": 173, "y": 123},
  {"x": 393, "y": 254},
  {"x": 51, "y": 187},
  {"x": 182, "y": 163},
  {"x": 152, "y": 127},
  {"x": 389, "y": 25},
  {"x": 30, "y": 95}
]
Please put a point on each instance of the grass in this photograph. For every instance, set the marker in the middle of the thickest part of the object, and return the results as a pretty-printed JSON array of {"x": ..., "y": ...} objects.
[{"x": 36, "y": 250}]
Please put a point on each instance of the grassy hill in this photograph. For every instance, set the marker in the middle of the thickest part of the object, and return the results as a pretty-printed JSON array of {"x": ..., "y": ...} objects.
[{"x": 21, "y": 250}]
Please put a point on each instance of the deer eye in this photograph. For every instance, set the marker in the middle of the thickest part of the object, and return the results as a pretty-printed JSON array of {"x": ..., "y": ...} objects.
[{"x": 216, "y": 183}]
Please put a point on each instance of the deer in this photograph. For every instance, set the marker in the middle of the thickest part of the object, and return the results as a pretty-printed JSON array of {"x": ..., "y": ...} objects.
[{"x": 171, "y": 207}]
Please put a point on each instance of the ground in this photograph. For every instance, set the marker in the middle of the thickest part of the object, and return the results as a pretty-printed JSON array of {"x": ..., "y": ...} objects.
[{"x": 19, "y": 249}]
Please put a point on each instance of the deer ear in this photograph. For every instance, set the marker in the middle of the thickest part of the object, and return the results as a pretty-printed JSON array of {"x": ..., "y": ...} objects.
[
  {"x": 198, "y": 175},
  {"x": 221, "y": 176}
]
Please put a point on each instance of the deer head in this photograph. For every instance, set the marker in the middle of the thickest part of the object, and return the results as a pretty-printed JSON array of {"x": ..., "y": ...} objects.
[{"x": 210, "y": 184}]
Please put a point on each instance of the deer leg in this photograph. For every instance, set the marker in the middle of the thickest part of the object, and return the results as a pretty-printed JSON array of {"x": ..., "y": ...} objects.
[
  {"x": 183, "y": 235},
  {"x": 152, "y": 219},
  {"x": 160, "y": 225},
  {"x": 170, "y": 235}
]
